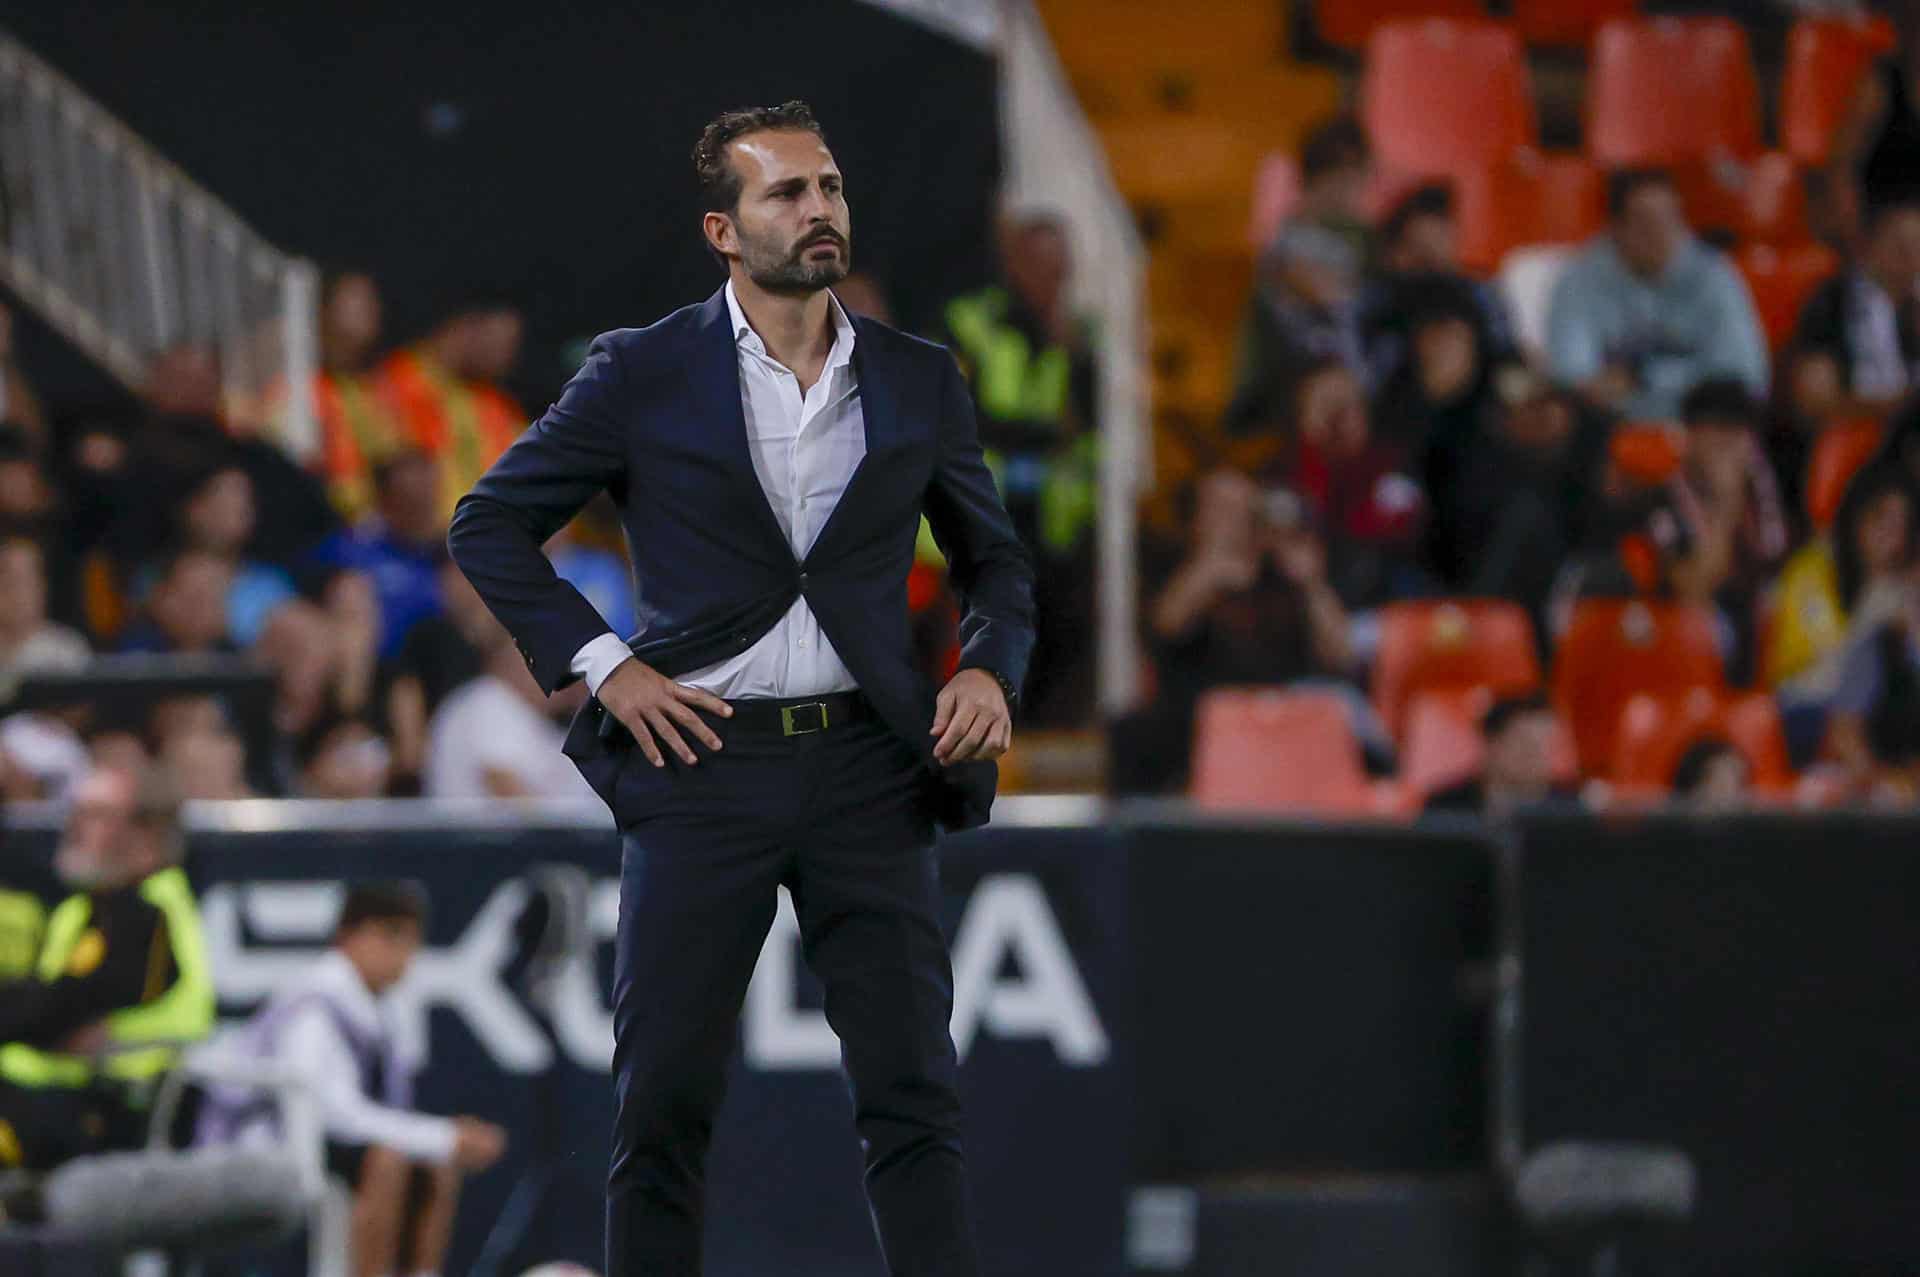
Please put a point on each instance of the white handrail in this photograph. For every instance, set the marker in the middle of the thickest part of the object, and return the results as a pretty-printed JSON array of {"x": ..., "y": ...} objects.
[
  {"x": 126, "y": 256},
  {"x": 1054, "y": 160}
]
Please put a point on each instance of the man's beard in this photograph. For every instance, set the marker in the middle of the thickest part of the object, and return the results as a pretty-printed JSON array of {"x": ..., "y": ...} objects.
[{"x": 794, "y": 272}]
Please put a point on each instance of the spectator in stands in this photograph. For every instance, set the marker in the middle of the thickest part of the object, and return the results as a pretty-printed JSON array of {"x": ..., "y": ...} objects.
[
  {"x": 1874, "y": 729},
  {"x": 335, "y": 1027},
  {"x": 495, "y": 737},
  {"x": 1360, "y": 488},
  {"x": 119, "y": 984},
  {"x": 358, "y": 429},
  {"x": 1837, "y": 587},
  {"x": 1856, "y": 349},
  {"x": 398, "y": 547},
  {"x": 29, "y": 642},
  {"x": 1441, "y": 386},
  {"x": 344, "y": 758},
  {"x": 1418, "y": 245},
  {"x": 1028, "y": 357},
  {"x": 1522, "y": 734},
  {"x": 31, "y": 506},
  {"x": 186, "y": 611},
  {"x": 218, "y": 516},
  {"x": 41, "y": 757},
  {"x": 863, "y": 293},
  {"x": 446, "y": 391},
  {"x": 18, "y": 402},
  {"x": 1248, "y": 603},
  {"x": 441, "y": 653},
  {"x": 1726, "y": 495},
  {"x": 1336, "y": 167},
  {"x": 1647, "y": 312},
  {"x": 209, "y": 761},
  {"x": 1305, "y": 310},
  {"x": 584, "y": 555},
  {"x": 1508, "y": 489},
  {"x": 1713, "y": 777}
]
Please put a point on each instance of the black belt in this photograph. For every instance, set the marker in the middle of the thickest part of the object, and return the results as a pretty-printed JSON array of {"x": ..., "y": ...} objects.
[{"x": 799, "y": 715}]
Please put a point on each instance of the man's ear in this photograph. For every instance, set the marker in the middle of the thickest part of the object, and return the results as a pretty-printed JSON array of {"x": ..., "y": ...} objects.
[{"x": 720, "y": 234}]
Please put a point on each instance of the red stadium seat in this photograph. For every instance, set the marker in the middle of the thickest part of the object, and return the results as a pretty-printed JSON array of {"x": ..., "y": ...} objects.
[
  {"x": 1351, "y": 23},
  {"x": 1655, "y": 732},
  {"x": 1775, "y": 201},
  {"x": 1444, "y": 97},
  {"x": 1781, "y": 278},
  {"x": 1567, "y": 23},
  {"x": 1616, "y": 649},
  {"x": 1453, "y": 645},
  {"x": 1667, "y": 91},
  {"x": 1442, "y": 744},
  {"x": 1839, "y": 452},
  {"x": 1826, "y": 58},
  {"x": 1647, "y": 452},
  {"x": 1264, "y": 749},
  {"x": 1524, "y": 198}
]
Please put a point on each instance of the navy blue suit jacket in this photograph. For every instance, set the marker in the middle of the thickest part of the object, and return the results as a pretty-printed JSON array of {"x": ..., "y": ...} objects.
[{"x": 654, "y": 417}]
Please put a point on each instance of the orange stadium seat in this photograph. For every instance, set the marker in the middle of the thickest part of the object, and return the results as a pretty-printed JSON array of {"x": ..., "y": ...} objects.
[
  {"x": 1781, "y": 278},
  {"x": 1671, "y": 90},
  {"x": 1351, "y": 23},
  {"x": 1842, "y": 448},
  {"x": 1567, "y": 22},
  {"x": 1647, "y": 452},
  {"x": 1655, "y": 732},
  {"x": 1451, "y": 645},
  {"x": 1826, "y": 58},
  {"x": 1526, "y": 197},
  {"x": 1265, "y": 749},
  {"x": 1444, "y": 97},
  {"x": 1442, "y": 744},
  {"x": 1615, "y": 649},
  {"x": 1774, "y": 201}
]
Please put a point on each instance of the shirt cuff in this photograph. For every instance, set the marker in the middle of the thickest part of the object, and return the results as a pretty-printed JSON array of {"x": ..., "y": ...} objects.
[{"x": 599, "y": 658}]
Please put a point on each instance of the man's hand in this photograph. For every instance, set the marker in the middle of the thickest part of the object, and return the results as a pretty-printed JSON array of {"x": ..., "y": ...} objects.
[
  {"x": 477, "y": 1144},
  {"x": 971, "y": 719},
  {"x": 650, "y": 704}
]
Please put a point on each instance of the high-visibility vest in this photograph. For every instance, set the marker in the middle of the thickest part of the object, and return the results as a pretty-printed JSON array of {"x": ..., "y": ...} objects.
[
  {"x": 23, "y": 921},
  {"x": 466, "y": 424},
  {"x": 183, "y": 1013},
  {"x": 357, "y": 432}
]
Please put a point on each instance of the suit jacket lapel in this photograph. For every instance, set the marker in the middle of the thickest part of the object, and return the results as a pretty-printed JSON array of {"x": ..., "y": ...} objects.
[
  {"x": 879, "y": 418},
  {"x": 714, "y": 370}
]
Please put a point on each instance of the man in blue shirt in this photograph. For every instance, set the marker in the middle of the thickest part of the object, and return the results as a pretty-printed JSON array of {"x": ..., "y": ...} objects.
[
  {"x": 398, "y": 547},
  {"x": 1647, "y": 312}
]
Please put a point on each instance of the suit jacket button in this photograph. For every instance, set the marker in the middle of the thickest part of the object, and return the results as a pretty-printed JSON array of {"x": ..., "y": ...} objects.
[{"x": 803, "y": 578}]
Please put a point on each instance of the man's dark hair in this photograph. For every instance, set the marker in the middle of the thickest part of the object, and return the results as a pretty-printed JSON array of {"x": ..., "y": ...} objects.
[
  {"x": 382, "y": 902},
  {"x": 1339, "y": 143},
  {"x": 1508, "y": 709},
  {"x": 385, "y": 469},
  {"x": 1870, "y": 483},
  {"x": 1623, "y": 183},
  {"x": 1691, "y": 771},
  {"x": 1429, "y": 199},
  {"x": 1720, "y": 399},
  {"x": 719, "y": 183}
]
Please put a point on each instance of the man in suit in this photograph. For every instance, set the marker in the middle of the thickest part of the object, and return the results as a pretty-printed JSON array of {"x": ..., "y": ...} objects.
[{"x": 771, "y": 458}]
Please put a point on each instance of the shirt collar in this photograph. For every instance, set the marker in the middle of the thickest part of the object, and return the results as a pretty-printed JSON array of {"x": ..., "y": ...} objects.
[
  {"x": 338, "y": 976},
  {"x": 747, "y": 339}
]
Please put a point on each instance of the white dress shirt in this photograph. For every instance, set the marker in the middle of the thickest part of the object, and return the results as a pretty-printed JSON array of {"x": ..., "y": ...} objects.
[
  {"x": 805, "y": 449},
  {"x": 310, "y": 1044}
]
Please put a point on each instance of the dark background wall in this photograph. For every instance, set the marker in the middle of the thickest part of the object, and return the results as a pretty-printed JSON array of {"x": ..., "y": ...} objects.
[{"x": 540, "y": 149}]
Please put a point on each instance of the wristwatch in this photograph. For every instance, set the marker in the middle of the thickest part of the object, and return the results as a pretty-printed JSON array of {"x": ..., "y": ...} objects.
[{"x": 1007, "y": 689}]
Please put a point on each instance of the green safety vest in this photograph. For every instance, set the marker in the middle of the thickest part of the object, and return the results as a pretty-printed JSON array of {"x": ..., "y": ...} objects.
[
  {"x": 23, "y": 920},
  {"x": 1013, "y": 382},
  {"x": 183, "y": 1013}
]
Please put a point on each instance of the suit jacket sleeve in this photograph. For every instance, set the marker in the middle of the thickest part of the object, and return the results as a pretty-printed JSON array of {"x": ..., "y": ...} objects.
[
  {"x": 572, "y": 453},
  {"x": 985, "y": 559}
]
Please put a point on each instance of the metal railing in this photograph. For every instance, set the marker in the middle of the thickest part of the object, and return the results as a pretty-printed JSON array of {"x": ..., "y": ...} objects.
[{"x": 127, "y": 257}]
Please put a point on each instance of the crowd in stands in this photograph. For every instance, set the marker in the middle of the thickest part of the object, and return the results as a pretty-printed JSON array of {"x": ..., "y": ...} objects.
[{"x": 1394, "y": 443}]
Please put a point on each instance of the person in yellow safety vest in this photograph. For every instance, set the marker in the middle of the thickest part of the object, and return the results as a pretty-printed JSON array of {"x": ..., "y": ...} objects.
[
  {"x": 1027, "y": 357},
  {"x": 358, "y": 428},
  {"x": 120, "y": 983}
]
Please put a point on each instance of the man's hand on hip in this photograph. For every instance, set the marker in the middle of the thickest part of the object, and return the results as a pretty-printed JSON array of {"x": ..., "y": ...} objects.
[
  {"x": 651, "y": 705},
  {"x": 971, "y": 719}
]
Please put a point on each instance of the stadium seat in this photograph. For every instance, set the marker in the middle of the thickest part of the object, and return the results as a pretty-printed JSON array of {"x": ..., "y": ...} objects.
[
  {"x": 1774, "y": 201},
  {"x": 1445, "y": 97},
  {"x": 1451, "y": 645},
  {"x": 1667, "y": 91},
  {"x": 1842, "y": 448},
  {"x": 1615, "y": 649},
  {"x": 1781, "y": 278},
  {"x": 1826, "y": 58},
  {"x": 1526, "y": 282},
  {"x": 1655, "y": 732},
  {"x": 1265, "y": 749},
  {"x": 1647, "y": 452},
  {"x": 1441, "y": 745},
  {"x": 1349, "y": 24},
  {"x": 1567, "y": 23},
  {"x": 1526, "y": 198}
]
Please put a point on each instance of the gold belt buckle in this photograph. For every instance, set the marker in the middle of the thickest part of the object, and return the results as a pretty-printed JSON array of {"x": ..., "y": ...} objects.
[{"x": 787, "y": 727}]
